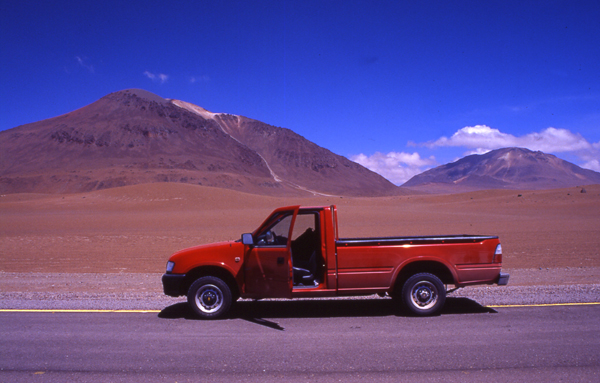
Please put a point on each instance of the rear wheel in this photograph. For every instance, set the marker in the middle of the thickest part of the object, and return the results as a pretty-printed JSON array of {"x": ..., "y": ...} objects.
[
  {"x": 424, "y": 294},
  {"x": 209, "y": 297}
]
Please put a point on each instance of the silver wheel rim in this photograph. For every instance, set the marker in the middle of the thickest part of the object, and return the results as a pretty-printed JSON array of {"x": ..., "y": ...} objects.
[
  {"x": 424, "y": 295},
  {"x": 209, "y": 298}
]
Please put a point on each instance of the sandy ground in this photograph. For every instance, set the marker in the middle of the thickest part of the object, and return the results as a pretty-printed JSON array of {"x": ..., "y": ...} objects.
[{"x": 120, "y": 239}]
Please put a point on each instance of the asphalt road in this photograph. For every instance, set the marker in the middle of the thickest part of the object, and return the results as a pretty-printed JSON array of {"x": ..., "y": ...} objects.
[{"x": 305, "y": 341}]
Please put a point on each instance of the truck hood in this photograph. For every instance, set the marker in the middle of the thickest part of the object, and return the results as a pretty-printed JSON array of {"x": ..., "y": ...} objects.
[{"x": 228, "y": 255}]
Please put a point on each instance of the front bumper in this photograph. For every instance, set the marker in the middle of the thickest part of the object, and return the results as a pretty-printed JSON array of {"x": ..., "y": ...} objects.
[
  {"x": 503, "y": 279},
  {"x": 173, "y": 284}
]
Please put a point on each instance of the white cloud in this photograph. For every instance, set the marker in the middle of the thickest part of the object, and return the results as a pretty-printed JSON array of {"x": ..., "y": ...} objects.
[
  {"x": 481, "y": 138},
  {"x": 82, "y": 63},
  {"x": 592, "y": 165},
  {"x": 162, "y": 78},
  {"x": 396, "y": 167},
  {"x": 151, "y": 76}
]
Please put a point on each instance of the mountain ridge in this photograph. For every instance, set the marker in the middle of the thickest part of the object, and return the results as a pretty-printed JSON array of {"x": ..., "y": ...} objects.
[
  {"x": 134, "y": 136},
  {"x": 506, "y": 168}
]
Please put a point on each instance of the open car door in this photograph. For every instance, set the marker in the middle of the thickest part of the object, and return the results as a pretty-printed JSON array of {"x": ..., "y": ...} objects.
[{"x": 268, "y": 265}]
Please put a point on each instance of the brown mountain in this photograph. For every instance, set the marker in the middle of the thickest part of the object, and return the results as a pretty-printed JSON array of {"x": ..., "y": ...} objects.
[
  {"x": 133, "y": 137},
  {"x": 508, "y": 168}
]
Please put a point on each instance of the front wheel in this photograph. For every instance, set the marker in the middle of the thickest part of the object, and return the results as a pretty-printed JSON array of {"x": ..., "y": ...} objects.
[
  {"x": 424, "y": 294},
  {"x": 209, "y": 297}
]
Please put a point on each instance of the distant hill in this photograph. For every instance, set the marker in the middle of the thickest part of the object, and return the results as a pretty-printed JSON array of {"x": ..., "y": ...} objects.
[
  {"x": 133, "y": 137},
  {"x": 508, "y": 168}
]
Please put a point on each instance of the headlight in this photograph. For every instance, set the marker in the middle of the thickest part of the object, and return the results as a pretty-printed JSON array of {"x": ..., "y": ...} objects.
[{"x": 170, "y": 266}]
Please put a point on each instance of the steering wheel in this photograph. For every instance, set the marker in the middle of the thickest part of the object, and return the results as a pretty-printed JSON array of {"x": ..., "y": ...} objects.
[{"x": 270, "y": 237}]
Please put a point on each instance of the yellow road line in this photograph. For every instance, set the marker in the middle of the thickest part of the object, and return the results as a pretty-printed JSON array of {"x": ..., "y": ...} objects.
[
  {"x": 158, "y": 311},
  {"x": 547, "y": 305},
  {"x": 75, "y": 311}
]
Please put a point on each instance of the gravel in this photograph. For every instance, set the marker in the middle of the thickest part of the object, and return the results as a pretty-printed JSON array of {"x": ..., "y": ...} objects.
[
  {"x": 64, "y": 291},
  {"x": 531, "y": 295},
  {"x": 86, "y": 301}
]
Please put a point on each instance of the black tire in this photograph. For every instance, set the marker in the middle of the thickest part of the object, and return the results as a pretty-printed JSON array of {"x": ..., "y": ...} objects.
[
  {"x": 209, "y": 297},
  {"x": 424, "y": 294}
]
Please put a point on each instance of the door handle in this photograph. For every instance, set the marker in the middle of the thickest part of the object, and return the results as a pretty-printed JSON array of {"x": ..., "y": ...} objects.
[{"x": 280, "y": 260}]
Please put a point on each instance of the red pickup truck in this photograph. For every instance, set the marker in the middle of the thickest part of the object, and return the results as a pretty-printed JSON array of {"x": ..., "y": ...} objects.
[{"x": 296, "y": 252}]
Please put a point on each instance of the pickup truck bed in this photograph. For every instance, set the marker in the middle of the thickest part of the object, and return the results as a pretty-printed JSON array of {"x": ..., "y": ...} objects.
[{"x": 423, "y": 240}]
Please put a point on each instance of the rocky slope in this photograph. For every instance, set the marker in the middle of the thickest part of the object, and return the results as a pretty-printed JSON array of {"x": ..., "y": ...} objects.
[
  {"x": 508, "y": 168},
  {"x": 133, "y": 137}
]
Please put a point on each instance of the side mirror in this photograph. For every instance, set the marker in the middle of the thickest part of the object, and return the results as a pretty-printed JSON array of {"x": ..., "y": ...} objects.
[{"x": 247, "y": 239}]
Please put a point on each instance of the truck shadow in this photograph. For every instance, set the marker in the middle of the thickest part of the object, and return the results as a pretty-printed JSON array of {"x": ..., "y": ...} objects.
[{"x": 258, "y": 310}]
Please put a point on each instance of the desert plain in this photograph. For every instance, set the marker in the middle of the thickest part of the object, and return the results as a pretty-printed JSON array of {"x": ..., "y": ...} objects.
[{"x": 549, "y": 237}]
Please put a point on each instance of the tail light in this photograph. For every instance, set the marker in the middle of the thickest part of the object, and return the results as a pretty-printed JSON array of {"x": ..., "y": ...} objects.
[{"x": 498, "y": 254}]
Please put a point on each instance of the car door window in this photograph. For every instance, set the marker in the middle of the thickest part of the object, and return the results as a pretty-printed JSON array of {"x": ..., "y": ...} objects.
[{"x": 276, "y": 234}]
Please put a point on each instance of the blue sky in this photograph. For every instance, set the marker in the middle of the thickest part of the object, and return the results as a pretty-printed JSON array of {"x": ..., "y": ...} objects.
[{"x": 397, "y": 86}]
